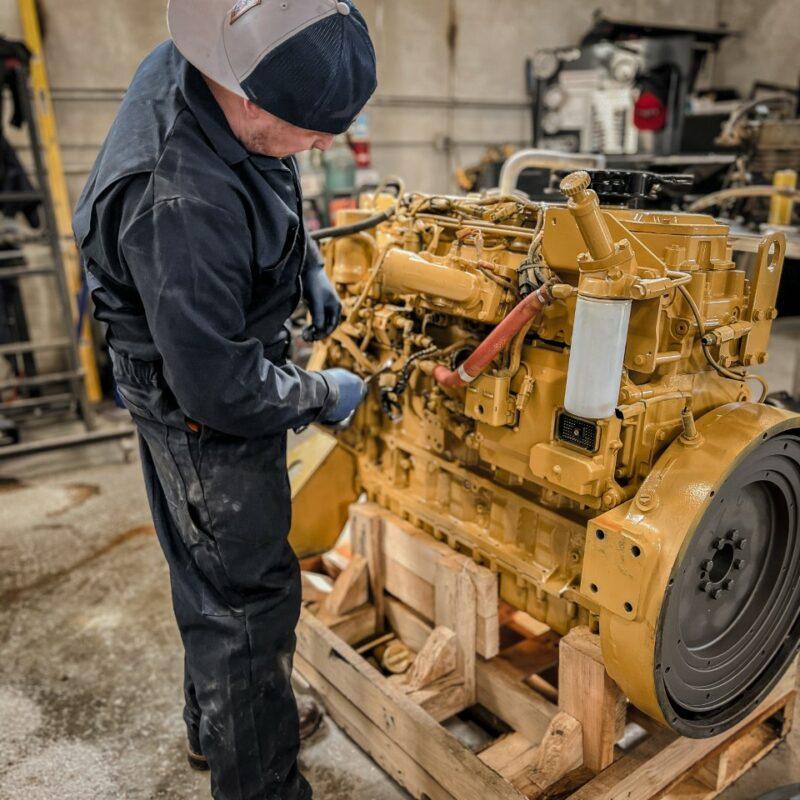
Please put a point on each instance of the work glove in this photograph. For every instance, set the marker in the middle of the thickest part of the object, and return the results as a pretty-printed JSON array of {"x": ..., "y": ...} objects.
[
  {"x": 323, "y": 303},
  {"x": 351, "y": 390}
]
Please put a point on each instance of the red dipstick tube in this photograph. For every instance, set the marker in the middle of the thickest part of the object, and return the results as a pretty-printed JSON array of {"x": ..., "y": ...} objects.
[{"x": 483, "y": 355}]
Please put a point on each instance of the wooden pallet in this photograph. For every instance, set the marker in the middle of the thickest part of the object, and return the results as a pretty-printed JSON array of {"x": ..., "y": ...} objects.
[{"x": 564, "y": 730}]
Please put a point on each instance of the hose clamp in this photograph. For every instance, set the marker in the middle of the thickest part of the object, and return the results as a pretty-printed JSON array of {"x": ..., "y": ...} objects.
[{"x": 464, "y": 375}]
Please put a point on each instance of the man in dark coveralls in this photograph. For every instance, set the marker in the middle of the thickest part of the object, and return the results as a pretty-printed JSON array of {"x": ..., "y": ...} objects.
[{"x": 191, "y": 232}]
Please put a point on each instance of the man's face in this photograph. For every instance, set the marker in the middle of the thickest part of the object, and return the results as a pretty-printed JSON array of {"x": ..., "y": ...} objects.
[{"x": 267, "y": 135}]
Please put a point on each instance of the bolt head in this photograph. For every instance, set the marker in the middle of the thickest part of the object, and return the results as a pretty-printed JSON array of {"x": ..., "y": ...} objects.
[
  {"x": 704, "y": 585},
  {"x": 740, "y": 544},
  {"x": 739, "y": 563},
  {"x": 715, "y": 594},
  {"x": 718, "y": 544},
  {"x": 728, "y": 583},
  {"x": 707, "y": 565}
]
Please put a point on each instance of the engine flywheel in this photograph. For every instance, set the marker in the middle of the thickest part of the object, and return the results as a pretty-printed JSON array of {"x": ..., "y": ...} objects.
[{"x": 720, "y": 616}]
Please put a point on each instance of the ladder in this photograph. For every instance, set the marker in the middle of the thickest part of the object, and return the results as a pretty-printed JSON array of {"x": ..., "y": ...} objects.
[{"x": 36, "y": 394}]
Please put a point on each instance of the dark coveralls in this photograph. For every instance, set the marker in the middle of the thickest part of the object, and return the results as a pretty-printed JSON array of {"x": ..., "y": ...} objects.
[{"x": 195, "y": 252}]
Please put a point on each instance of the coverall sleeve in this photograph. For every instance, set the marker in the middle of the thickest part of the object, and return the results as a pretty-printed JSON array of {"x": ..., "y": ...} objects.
[
  {"x": 313, "y": 258},
  {"x": 191, "y": 263}
]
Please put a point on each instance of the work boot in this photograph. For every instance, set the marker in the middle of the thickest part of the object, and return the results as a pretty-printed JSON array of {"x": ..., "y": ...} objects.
[
  {"x": 194, "y": 753},
  {"x": 310, "y": 715}
]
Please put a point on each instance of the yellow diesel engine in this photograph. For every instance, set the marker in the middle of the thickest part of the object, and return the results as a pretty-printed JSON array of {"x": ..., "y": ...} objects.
[{"x": 561, "y": 392}]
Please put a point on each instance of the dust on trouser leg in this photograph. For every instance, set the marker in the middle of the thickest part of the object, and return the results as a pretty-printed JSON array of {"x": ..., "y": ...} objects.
[{"x": 222, "y": 510}]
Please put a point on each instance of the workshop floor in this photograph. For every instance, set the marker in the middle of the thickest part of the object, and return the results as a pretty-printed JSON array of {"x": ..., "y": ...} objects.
[{"x": 90, "y": 659}]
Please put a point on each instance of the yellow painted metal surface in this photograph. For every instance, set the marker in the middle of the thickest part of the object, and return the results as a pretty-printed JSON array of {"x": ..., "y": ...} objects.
[
  {"x": 322, "y": 476},
  {"x": 661, "y": 521},
  {"x": 43, "y": 107},
  {"x": 496, "y": 469}
]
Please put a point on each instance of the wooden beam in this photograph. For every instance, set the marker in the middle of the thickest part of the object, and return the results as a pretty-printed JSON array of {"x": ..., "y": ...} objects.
[
  {"x": 366, "y": 536},
  {"x": 412, "y": 590},
  {"x": 500, "y": 688},
  {"x": 455, "y": 608},
  {"x": 587, "y": 693},
  {"x": 505, "y": 751},
  {"x": 407, "y": 624}
]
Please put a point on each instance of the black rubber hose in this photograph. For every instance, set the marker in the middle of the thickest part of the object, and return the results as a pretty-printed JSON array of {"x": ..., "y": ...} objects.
[{"x": 356, "y": 227}]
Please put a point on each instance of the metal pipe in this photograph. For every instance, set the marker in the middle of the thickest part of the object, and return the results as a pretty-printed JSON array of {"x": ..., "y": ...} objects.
[
  {"x": 544, "y": 159},
  {"x": 405, "y": 272},
  {"x": 483, "y": 355},
  {"x": 738, "y": 192}
]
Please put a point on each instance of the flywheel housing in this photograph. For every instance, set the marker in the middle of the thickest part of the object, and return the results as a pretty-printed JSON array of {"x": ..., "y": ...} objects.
[{"x": 711, "y": 618}]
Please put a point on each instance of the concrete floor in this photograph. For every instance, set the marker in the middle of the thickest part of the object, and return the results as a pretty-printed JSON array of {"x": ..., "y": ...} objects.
[{"x": 90, "y": 659}]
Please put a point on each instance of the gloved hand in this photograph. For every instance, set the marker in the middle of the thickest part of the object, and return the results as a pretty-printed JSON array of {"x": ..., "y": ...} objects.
[
  {"x": 323, "y": 303},
  {"x": 352, "y": 390}
]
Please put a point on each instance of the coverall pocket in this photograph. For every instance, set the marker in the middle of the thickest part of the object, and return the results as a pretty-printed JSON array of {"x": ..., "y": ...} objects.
[
  {"x": 135, "y": 400},
  {"x": 248, "y": 502},
  {"x": 214, "y": 606}
]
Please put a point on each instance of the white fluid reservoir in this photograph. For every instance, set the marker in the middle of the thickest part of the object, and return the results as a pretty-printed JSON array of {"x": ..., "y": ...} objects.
[{"x": 595, "y": 358}]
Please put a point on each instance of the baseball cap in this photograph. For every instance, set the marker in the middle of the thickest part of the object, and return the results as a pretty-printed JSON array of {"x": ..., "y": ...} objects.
[{"x": 308, "y": 62}]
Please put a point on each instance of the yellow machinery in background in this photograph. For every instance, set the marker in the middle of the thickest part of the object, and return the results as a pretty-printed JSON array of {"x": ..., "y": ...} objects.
[{"x": 563, "y": 395}]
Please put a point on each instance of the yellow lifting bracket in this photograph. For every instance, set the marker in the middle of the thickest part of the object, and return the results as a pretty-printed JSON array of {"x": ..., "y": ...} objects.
[{"x": 43, "y": 107}]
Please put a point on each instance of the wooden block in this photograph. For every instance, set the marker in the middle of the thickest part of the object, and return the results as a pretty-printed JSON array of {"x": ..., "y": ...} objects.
[
  {"x": 526, "y": 625},
  {"x": 545, "y": 689},
  {"x": 436, "y": 659},
  {"x": 352, "y": 627},
  {"x": 350, "y": 589},
  {"x": 316, "y": 587},
  {"x": 443, "y": 699},
  {"x": 587, "y": 693},
  {"x": 335, "y": 562},
  {"x": 435, "y": 750},
  {"x": 410, "y": 628},
  {"x": 487, "y": 593},
  {"x": 455, "y": 603},
  {"x": 367, "y": 536},
  {"x": 560, "y": 752},
  {"x": 501, "y": 690},
  {"x": 487, "y": 636}
]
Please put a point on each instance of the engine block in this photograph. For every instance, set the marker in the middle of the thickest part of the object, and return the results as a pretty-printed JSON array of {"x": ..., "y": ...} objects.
[{"x": 551, "y": 461}]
